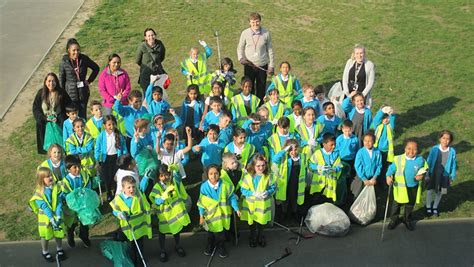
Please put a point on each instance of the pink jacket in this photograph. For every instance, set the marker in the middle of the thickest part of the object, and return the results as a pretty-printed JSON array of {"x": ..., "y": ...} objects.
[{"x": 110, "y": 85}]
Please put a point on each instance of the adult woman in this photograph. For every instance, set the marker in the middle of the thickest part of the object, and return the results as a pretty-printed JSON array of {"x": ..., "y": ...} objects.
[
  {"x": 150, "y": 54},
  {"x": 49, "y": 105},
  {"x": 359, "y": 75},
  {"x": 112, "y": 81},
  {"x": 72, "y": 75}
]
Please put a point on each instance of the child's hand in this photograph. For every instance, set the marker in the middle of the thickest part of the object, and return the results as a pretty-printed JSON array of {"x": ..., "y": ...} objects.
[
  {"x": 188, "y": 131},
  {"x": 197, "y": 148},
  {"x": 172, "y": 111},
  {"x": 201, "y": 220},
  {"x": 118, "y": 96},
  {"x": 352, "y": 94},
  {"x": 367, "y": 182},
  {"x": 389, "y": 180},
  {"x": 136, "y": 135},
  {"x": 203, "y": 43},
  {"x": 419, "y": 177},
  {"x": 238, "y": 213},
  {"x": 373, "y": 181},
  {"x": 270, "y": 71}
]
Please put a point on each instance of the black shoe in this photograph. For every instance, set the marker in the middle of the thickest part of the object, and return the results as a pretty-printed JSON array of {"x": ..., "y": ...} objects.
[
  {"x": 435, "y": 212},
  {"x": 408, "y": 224},
  {"x": 61, "y": 255},
  {"x": 70, "y": 240},
  {"x": 223, "y": 252},
  {"x": 180, "y": 251},
  {"x": 163, "y": 256},
  {"x": 429, "y": 212},
  {"x": 393, "y": 224},
  {"x": 48, "y": 257},
  {"x": 262, "y": 242},
  {"x": 86, "y": 242},
  {"x": 209, "y": 249},
  {"x": 253, "y": 242}
]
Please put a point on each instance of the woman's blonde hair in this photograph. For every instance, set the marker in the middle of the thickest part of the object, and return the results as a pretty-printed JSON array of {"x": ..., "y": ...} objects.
[{"x": 42, "y": 173}]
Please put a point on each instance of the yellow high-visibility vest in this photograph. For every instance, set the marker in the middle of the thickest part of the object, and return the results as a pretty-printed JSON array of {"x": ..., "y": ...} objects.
[
  {"x": 253, "y": 209},
  {"x": 327, "y": 182},
  {"x": 282, "y": 179},
  {"x": 400, "y": 193},
  {"x": 45, "y": 228},
  {"x": 378, "y": 133},
  {"x": 201, "y": 77},
  {"x": 218, "y": 212}
]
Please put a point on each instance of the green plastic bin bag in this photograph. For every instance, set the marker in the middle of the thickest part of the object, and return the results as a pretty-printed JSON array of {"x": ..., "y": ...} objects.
[
  {"x": 147, "y": 159},
  {"x": 52, "y": 135},
  {"x": 85, "y": 202},
  {"x": 117, "y": 252}
]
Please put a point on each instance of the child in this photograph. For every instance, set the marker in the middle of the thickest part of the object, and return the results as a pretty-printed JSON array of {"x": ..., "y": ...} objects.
[
  {"x": 232, "y": 171},
  {"x": 308, "y": 99},
  {"x": 257, "y": 189},
  {"x": 442, "y": 172},
  {"x": 216, "y": 201},
  {"x": 82, "y": 144},
  {"x": 330, "y": 121},
  {"x": 265, "y": 125},
  {"x": 384, "y": 124},
  {"x": 55, "y": 162},
  {"x": 295, "y": 116},
  {"x": 225, "y": 128},
  {"x": 168, "y": 155},
  {"x": 286, "y": 84},
  {"x": 192, "y": 111},
  {"x": 213, "y": 116},
  {"x": 309, "y": 131},
  {"x": 126, "y": 167},
  {"x": 141, "y": 147},
  {"x": 133, "y": 212},
  {"x": 216, "y": 90},
  {"x": 154, "y": 98},
  {"x": 181, "y": 144},
  {"x": 109, "y": 146},
  {"x": 326, "y": 166},
  {"x": 47, "y": 204},
  {"x": 347, "y": 144},
  {"x": 95, "y": 125},
  {"x": 255, "y": 135},
  {"x": 195, "y": 68},
  {"x": 75, "y": 179},
  {"x": 226, "y": 76},
  {"x": 210, "y": 147},
  {"x": 159, "y": 125},
  {"x": 243, "y": 150},
  {"x": 168, "y": 197},
  {"x": 276, "y": 140},
  {"x": 130, "y": 113},
  {"x": 358, "y": 113},
  {"x": 291, "y": 178},
  {"x": 276, "y": 108},
  {"x": 368, "y": 165},
  {"x": 320, "y": 94},
  {"x": 405, "y": 173},
  {"x": 244, "y": 103},
  {"x": 71, "y": 113}
]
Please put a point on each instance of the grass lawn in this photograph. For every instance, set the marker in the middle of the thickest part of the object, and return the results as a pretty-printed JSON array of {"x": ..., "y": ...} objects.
[{"x": 422, "y": 52}]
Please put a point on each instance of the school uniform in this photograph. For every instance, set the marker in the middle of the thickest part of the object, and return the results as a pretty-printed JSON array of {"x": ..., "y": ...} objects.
[
  {"x": 67, "y": 130},
  {"x": 314, "y": 103},
  {"x": 324, "y": 182},
  {"x": 191, "y": 114},
  {"x": 160, "y": 107},
  {"x": 94, "y": 126},
  {"x": 361, "y": 119},
  {"x": 211, "y": 152},
  {"x": 243, "y": 106},
  {"x": 368, "y": 164},
  {"x": 200, "y": 73},
  {"x": 442, "y": 168},
  {"x": 244, "y": 154},
  {"x": 276, "y": 111},
  {"x": 48, "y": 206},
  {"x": 84, "y": 147},
  {"x": 225, "y": 135},
  {"x": 288, "y": 86},
  {"x": 347, "y": 147},
  {"x": 257, "y": 139},
  {"x": 306, "y": 133},
  {"x": 210, "y": 118},
  {"x": 384, "y": 139},
  {"x": 129, "y": 115},
  {"x": 58, "y": 170},
  {"x": 106, "y": 153},
  {"x": 330, "y": 124},
  {"x": 276, "y": 142}
]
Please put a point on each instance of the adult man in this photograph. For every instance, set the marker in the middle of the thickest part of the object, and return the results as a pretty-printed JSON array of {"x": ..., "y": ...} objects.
[{"x": 255, "y": 52}]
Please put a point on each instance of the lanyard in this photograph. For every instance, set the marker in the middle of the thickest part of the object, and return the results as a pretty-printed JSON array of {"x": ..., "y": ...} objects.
[
  {"x": 117, "y": 86},
  {"x": 255, "y": 42},
  {"x": 76, "y": 69}
]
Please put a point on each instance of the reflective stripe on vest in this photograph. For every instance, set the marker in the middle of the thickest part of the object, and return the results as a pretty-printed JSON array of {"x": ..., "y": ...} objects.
[
  {"x": 286, "y": 94},
  {"x": 201, "y": 77},
  {"x": 254, "y": 209},
  {"x": 62, "y": 169},
  {"x": 92, "y": 129},
  {"x": 304, "y": 136},
  {"x": 44, "y": 225},
  {"x": 140, "y": 221},
  {"x": 66, "y": 186},
  {"x": 239, "y": 105},
  {"x": 87, "y": 160},
  {"x": 247, "y": 152},
  {"x": 274, "y": 142},
  {"x": 282, "y": 179},
  {"x": 280, "y": 111},
  {"x": 400, "y": 192},
  {"x": 327, "y": 181},
  {"x": 172, "y": 214},
  {"x": 378, "y": 133},
  {"x": 217, "y": 213}
]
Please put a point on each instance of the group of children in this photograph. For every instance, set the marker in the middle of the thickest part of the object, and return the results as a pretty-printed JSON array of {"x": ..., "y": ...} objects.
[{"x": 261, "y": 158}]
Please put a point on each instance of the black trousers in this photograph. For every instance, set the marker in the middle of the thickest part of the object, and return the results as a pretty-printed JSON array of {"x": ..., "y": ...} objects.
[
  {"x": 215, "y": 239},
  {"x": 134, "y": 254},
  {"x": 107, "y": 172},
  {"x": 383, "y": 170},
  {"x": 83, "y": 230},
  {"x": 259, "y": 80},
  {"x": 162, "y": 239},
  {"x": 395, "y": 207},
  {"x": 256, "y": 230}
]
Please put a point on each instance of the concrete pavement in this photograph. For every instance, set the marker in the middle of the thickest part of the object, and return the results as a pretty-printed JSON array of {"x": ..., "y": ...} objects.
[
  {"x": 28, "y": 29},
  {"x": 433, "y": 243}
]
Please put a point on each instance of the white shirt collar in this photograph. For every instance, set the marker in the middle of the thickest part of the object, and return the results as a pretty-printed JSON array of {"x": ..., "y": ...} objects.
[
  {"x": 329, "y": 119},
  {"x": 443, "y": 150},
  {"x": 285, "y": 79},
  {"x": 215, "y": 187},
  {"x": 407, "y": 158},
  {"x": 325, "y": 152},
  {"x": 361, "y": 111},
  {"x": 246, "y": 98}
]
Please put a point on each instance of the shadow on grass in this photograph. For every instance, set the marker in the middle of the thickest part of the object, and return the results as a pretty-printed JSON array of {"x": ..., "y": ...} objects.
[
  {"x": 419, "y": 114},
  {"x": 428, "y": 141}
]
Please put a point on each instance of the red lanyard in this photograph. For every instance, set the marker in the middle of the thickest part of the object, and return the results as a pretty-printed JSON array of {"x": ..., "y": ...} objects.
[
  {"x": 255, "y": 42},
  {"x": 76, "y": 69}
]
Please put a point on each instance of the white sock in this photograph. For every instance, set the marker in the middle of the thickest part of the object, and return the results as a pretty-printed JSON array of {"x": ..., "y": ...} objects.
[
  {"x": 429, "y": 198},
  {"x": 44, "y": 246},
  {"x": 437, "y": 200},
  {"x": 59, "y": 244}
]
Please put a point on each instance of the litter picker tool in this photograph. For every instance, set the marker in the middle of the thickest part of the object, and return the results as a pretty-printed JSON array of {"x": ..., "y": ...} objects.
[
  {"x": 58, "y": 262},
  {"x": 216, "y": 34},
  {"x": 100, "y": 194},
  {"x": 236, "y": 238},
  {"x": 136, "y": 243},
  {"x": 211, "y": 257},
  {"x": 307, "y": 236},
  {"x": 285, "y": 254},
  {"x": 299, "y": 231},
  {"x": 386, "y": 211}
]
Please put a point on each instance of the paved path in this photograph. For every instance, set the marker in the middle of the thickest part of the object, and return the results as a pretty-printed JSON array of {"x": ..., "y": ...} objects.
[
  {"x": 28, "y": 29},
  {"x": 433, "y": 243}
]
